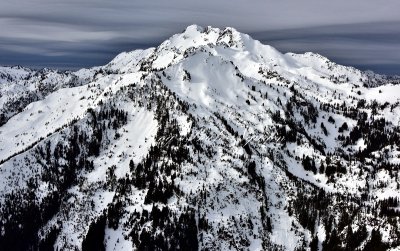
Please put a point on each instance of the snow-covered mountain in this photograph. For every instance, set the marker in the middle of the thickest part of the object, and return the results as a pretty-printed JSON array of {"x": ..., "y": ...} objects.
[{"x": 211, "y": 141}]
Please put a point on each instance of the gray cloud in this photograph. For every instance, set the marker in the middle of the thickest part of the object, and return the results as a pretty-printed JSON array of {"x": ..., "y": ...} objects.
[
  {"x": 71, "y": 33},
  {"x": 368, "y": 46}
]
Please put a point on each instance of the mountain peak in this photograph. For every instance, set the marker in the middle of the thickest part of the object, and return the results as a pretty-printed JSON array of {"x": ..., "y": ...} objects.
[
  {"x": 196, "y": 36},
  {"x": 247, "y": 54},
  {"x": 211, "y": 140},
  {"x": 193, "y": 28}
]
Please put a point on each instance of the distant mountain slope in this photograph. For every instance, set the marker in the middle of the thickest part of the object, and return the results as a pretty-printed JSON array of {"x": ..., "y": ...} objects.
[{"x": 211, "y": 141}]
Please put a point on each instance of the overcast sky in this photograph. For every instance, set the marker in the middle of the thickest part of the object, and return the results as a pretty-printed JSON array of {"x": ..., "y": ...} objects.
[{"x": 69, "y": 34}]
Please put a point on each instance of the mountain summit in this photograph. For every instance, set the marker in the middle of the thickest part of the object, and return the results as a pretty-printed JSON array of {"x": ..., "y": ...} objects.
[{"x": 211, "y": 141}]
